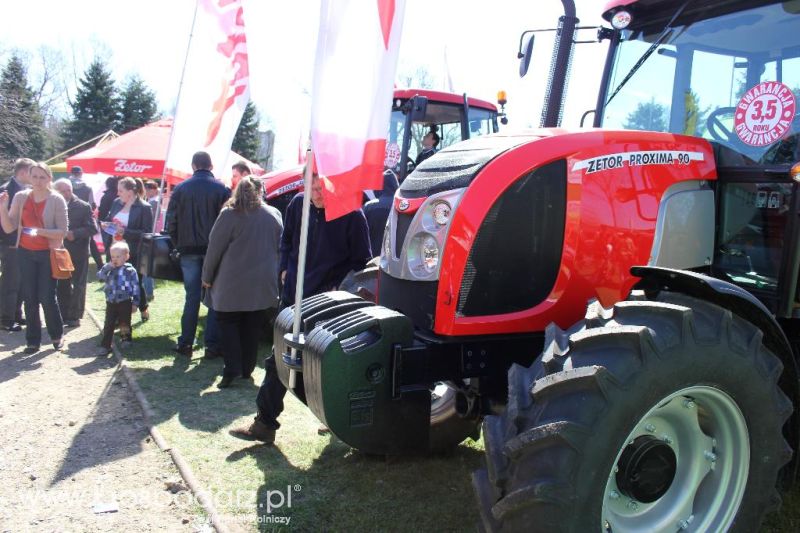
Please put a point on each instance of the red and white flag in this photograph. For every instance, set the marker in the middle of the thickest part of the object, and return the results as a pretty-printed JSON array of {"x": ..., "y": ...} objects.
[
  {"x": 215, "y": 88},
  {"x": 354, "y": 71}
]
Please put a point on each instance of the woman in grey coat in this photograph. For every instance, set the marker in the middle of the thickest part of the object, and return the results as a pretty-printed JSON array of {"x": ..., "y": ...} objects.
[{"x": 240, "y": 275}]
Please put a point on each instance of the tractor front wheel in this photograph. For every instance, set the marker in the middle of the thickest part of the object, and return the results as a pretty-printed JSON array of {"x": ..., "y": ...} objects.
[
  {"x": 654, "y": 416},
  {"x": 448, "y": 428}
]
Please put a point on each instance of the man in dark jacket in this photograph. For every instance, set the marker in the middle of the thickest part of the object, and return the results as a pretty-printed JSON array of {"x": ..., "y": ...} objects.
[
  {"x": 429, "y": 144},
  {"x": 106, "y": 201},
  {"x": 10, "y": 279},
  {"x": 334, "y": 249},
  {"x": 193, "y": 208},
  {"x": 82, "y": 227},
  {"x": 377, "y": 211},
  {"x": 79, "y": 187},
  {"x": 85, "y": 193}
]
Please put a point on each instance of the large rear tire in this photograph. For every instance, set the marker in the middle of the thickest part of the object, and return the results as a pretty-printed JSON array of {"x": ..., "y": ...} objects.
[{"x": 654, "y": 416}]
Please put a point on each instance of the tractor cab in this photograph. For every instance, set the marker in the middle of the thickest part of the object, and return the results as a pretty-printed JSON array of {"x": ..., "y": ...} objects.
[
  {"x": 728, "y": 72},
  {"x": 415, "y": 112},
  {"x": 453, "y": 118}
]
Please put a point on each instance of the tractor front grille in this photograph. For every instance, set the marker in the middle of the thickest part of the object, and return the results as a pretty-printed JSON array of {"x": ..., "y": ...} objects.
[{"x": 515, "y": 258}]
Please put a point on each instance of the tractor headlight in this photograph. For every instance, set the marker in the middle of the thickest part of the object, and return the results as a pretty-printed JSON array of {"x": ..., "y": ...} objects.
[
  {"x": 441, "y": 213},
  {"x": 423, "y": 255},
  {"x": 417, "y": 248},
  {"x": 430, "y": 253}
]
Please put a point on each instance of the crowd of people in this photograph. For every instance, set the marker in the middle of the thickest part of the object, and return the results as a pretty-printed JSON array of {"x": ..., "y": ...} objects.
[
  {"x": 39, "y": 215},
  {"x": 238, "y": 257}
]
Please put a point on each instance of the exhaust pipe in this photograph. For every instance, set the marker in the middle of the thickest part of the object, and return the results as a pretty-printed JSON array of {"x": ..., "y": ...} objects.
[{"x": 560, "y": 67}]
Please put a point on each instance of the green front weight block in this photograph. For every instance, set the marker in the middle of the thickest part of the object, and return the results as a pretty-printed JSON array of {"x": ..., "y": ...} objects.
[
  {"x": 350, "y": 382},
  {"x": 313, "y": 309}
]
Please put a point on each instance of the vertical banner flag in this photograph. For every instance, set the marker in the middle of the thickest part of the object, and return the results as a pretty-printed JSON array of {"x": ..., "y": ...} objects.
[
  {"x": 354, "y": 71},
  {"x": 214, "y": 90}
]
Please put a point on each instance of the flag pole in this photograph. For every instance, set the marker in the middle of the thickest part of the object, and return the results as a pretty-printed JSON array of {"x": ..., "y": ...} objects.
[
  {"x": 301, "y": 259},
  {"x": 162, "y": 184}
]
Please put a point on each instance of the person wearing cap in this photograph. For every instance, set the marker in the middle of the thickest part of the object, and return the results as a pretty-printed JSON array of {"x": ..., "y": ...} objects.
[
  {"x": 85, "y": 193},
  {"x": 152, "y": 197},
  {"x": 79, "y": 187}
]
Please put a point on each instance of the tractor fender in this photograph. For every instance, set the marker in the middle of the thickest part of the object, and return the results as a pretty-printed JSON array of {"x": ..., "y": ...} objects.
[{"x": 748, "y": 307}]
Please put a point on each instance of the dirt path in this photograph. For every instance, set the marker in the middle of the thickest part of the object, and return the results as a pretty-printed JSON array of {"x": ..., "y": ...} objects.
[{"x": 72, "y": 437}]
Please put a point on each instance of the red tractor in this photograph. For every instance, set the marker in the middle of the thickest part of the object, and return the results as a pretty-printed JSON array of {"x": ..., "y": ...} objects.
[
  {"x": 667, "y": 405},
  {"x": 414, "y": 112}
]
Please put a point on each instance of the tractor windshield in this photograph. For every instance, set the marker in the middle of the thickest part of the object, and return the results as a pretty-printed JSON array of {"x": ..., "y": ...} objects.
[
  {"x": 732, "y": 78},
  {"x": 447, "y": 118}
]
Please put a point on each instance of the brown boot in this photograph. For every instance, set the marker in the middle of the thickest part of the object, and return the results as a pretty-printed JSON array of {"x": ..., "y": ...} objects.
[{"x": 255, "y": 431}]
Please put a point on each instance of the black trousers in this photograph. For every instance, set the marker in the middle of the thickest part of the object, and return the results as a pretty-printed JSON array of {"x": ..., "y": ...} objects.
[
  {"x": 117, "y": 313},
  {"x": 271, "y": 392},
  {"x": 96, "y": 255},
  {"x": 39, "y": 289},
  {"x": 143, "y": 303},
  {"x": 240, "y": 331},
  {"x": 270, "y": 395},
  {"x": 72, "y": 291},
  {"x": 10, "y": 285}
]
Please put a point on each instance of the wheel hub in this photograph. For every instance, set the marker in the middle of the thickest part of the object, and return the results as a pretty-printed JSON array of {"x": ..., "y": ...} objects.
[
  {"x": 684, "y": 465},
  {"x": 646, "y": 469}
]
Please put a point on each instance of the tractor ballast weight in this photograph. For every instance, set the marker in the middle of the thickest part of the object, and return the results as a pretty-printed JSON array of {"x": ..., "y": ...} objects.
[{"x": 346, "y": 372}]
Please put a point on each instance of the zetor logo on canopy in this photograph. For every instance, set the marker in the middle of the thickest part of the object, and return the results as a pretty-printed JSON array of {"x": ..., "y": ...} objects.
[{"x": 122, "y": 165}]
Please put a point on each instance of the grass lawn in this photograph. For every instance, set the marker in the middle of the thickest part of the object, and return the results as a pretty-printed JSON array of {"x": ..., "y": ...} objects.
[
  {"x": 339, "y": 489},
  {"x": 333, "y": 488}
]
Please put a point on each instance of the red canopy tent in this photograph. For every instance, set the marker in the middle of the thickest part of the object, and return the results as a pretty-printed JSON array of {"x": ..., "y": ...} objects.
[{"x": 141, "y": 153}]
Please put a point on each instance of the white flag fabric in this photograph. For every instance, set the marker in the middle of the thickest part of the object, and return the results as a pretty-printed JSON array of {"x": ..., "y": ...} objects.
[
  {"x": 215, "y": 87},
  {"x": 354, "y": 71}
]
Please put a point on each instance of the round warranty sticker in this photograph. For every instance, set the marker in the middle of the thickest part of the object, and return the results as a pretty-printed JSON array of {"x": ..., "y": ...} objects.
[
  {"x": 392, "y": 155},
  {"x": 765, "y": 113}
]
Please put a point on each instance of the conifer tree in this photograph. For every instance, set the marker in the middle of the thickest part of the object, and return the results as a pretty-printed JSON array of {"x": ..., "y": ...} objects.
[
  {"x": 138, "y": 105},
  {"x": 21, "y": 123},
  {"x": 96, "y": 108},
  {"x": 245, "y": 142}
]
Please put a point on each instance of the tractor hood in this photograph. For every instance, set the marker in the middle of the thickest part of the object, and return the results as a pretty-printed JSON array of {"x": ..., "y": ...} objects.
[{"x": 457, "y": 165}]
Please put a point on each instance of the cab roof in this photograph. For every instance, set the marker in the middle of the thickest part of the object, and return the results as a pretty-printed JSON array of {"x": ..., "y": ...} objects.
[{"x": 441, "y": 96}]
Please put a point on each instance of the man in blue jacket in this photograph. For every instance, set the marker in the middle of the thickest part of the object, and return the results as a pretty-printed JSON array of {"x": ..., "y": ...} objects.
[
  {"x": 193, "y": 208},
  {"x": 335, "y": 248},
  {"x": 377, "y": 211},
  {"x": 10, "y": 280}
]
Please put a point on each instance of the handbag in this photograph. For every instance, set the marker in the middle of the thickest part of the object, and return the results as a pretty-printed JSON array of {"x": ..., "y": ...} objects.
[{"x": 61, "y": 266}]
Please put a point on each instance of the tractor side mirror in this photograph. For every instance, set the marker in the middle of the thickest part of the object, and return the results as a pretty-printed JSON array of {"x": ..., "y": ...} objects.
[
  {"x": 419, "y": 109},
  {"x": 525, "y": 53}
]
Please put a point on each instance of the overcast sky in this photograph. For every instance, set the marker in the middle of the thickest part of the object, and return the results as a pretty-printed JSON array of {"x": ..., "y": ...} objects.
[{"x": 149, "y": 38}]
